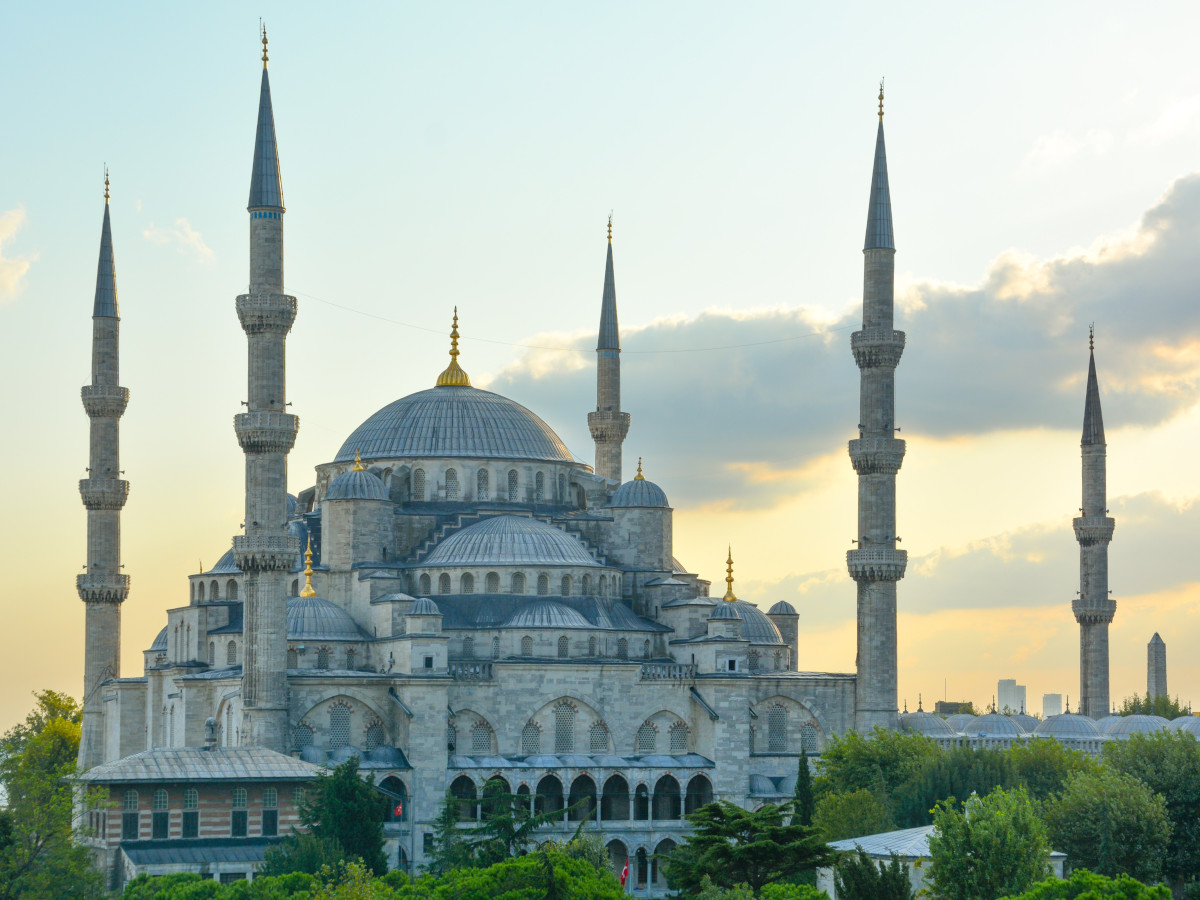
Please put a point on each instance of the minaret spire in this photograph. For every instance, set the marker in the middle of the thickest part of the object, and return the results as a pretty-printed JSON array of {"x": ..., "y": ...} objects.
[
  {"x": 876, "y": 564},
  {"x": 266, "y": 432},
  {"x": 1094, "y": 608},
  {"x": 608, "y": 424},
  {"x": 103, "y": 587}
]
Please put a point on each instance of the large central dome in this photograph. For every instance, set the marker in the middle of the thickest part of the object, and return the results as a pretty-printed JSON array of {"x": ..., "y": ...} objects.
[{"x": 449, "y": 421}]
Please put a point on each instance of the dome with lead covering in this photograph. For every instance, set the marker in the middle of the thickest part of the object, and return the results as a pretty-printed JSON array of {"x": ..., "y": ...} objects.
[
  {"x": 317, "y": 619},
  {"x": 782, "y": 608},
  {"x": 1027, "y": 722},
  {"x": 724, "y": 611},
  {"x": 356, "y": 485},
  {"x": 509, "y": 541},
  {"x": 959, "y": 721},
  {"x": 160, "y": 642},
  {"x": 424, "y": 607},
  {"x": 993, "y": 725},
  {"x": 1190, "y": 724},
  {"x": 455, "y": 421},
  {"x": 1124, "y": 726},
  {"x": 756, "y": 627},
  {"x": 1067, "y": 725},
  {"x": 639, "y": 493},
  {"x": 921, "y": 722},
  {"x": 547, "y": 614}
]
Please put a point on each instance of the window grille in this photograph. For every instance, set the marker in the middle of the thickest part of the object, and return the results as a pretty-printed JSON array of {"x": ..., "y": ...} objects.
[
  {"x": 231, "y": 654},
  {"x": 481, "y": 485},
  {"x": 270, "y": 798},
  {"x": 339, "y": 726},
  {"x": 592, "y": 646},
  {"x": 564, "y": 728},
  {"x": 808, "y": 739},
  {"x": 451, "y": 484},
  {"x": 543, "y": 585},
  {"x": 752, "y": 660},
  {"x": 191, "y": 799},
  {"x": 467, "y": 583},
  {"x": 215, "y": 592},
  {"x": 647, "y": 740},
  {"x": 562, "y": 489},
  {"x": 424, "y": 590},
  {"x": 495, "y": 648},
  {"x": 531, "y": 740},
  {"x": 323, "y": 658},
  {"x": 481, "y": 738},
  {"x": 512, "y": 487},
  {"x": 418, "y": 484},
  {"x": 678, "y": 736},
  {"x": 451, "y": 737},
  {"x": 564, "y": 648},
  {"x": 239, "y": 798},
  {"x": 527, "y": 646},
  {"x": 492, "y": 583},
  {"x": 443, "y": 583},
  {"x": 302, "y": 737},
  {"x": 646, "y": 650},
  {"x": 566, "y": 586},
  {"x": 622, "y": 649},
  {"x": 231, "y": 590},
  {"x": 160, "y": 800},
  {"x": 587, "y": 585},
  {"x": 518, "y": 583},
  {"x": 598, "y": 738},
  {"x": 777, "y": 729},
  {"x": 350, "y": 659},
  {"x": 539, "y": 487},
  {"x": 468, "y": 647},
  {"x": 375, "y": 736},
  {"x": 212, "y": 653}
]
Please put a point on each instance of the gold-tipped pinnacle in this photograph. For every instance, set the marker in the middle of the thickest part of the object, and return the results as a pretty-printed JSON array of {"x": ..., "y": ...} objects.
[
  {"x": 729, "y": 594},
  {"x": 610, "y": 226},
  {"x": 358, "y": 466},
  {"x": 264, "y": 42},
  {"x": 639, "y": 476},
  {"x": 880, "y": 99},
  {"x": 454, "y": 376},
  {"x": 308, "y": 591},
  {"x": 106, "y": 184}
]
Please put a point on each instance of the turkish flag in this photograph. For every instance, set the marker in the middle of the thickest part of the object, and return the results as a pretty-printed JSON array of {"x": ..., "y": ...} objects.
[{"x": 625, "y": 872}]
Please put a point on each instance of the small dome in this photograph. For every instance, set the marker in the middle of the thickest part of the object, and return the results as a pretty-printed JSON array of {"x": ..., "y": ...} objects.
[
  {"x": 1027, "y": 722},
  {"x": 756, "y": 627},
  {"x": 316, "y": 619},
  {"x": 1067, "y": 725},
  {"x": 546, "y": 614},
  {"x": 921, "y": 722},
  {"x": 1124, "y": 726},
  {"x": 1190, "y": 724},
  {"x": 993, "y": 725},
  {"x": 1104, "y": 722},
  {"x": 724, "y": 611},
  {"x": 356, "y": 485},
  {"x": 424, "y": 607},
  {"x": 160, "y": 642},
  {"x": 225, "y": 565},
  {"x": 959, "y": 721},
  {"x": 782, "y": 608},
  {"x": 509, "y": 541},
  {"x": 639, "y": 493}
]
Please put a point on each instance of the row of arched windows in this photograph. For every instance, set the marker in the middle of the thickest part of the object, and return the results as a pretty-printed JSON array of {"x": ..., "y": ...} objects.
[
  {"x": 483, "y": 490},
  {"x": 777, "y": 733},
  {"x": 339, "y": 734},
  {"x": 644, "y": 868},
  {"x": 603, "y": 586},
  {"x": 214, "y": 591}
]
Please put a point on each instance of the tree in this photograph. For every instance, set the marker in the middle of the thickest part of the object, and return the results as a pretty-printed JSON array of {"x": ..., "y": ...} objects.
[
  {"x": 879, "y": 762},
  {"x": 738, "y": 846},
  {"x": 1162, "y": 705},
  {"x": 991, "y": 846},
  {"x": 1086, "y": 885},
  {"x": 1169, "y": 763},
  {"x": 802, "y": 798},
  {"x": 852, "y": 814},
  {"x": 505, "y": 829},
  {"x": 303, "y": 852},
  {"x": 859, "y": 877},
  {"x": 1044, "y": 766},
  {"x": 1110, "y": 823},
  {"x": 548, "y": 873},
  {"x": 958, "y": 772},
  {"x": 342, "y": 807}
]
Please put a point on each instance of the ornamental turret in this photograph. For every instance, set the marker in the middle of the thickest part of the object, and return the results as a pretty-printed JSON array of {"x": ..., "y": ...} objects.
[
  {"x": 876, "y": 564},
  {"x": 266, "y": 432},
  {"x": 608, "y": 424},
  {"x": 1094, "y": 608},
  {"x": 103, "y": 587}
]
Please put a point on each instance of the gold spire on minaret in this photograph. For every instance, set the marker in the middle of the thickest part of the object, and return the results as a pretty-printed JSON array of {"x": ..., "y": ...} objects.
[
  {"x": 264, "y": 43},
  {"x": 639, "y": 476},
  {"x": 729, "y": 594},
  {"x": 1091, "y": 328},
  {"x": 610, "y": 226},
  {"x": 308, "y": 591},
  {"x": 106, "y": 185},
  {"x": 358, "y": 466},
  {"x": 454, "y": 376},
  {"x": 880, "y": 99}
]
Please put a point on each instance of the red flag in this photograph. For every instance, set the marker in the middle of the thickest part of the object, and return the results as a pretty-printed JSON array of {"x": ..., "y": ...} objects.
[{"x": 625, "y": 872}]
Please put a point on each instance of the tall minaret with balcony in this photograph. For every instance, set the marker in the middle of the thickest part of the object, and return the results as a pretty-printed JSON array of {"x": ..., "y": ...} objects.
[
  {"x": 608, "y": 424},
  {"x": 103, "y": 587},
  {"x": 1094, "y": 608},
  {"x": 875, "y": 564},
  {"x": 266, "y": 432}
]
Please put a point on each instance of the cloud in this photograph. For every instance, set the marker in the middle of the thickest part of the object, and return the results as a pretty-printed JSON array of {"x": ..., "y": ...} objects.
[
  {"x": 182, "y": 234},
  {"x": 12, "y": 269},
  {"x": 742, "y": 421},
  {"x": 1050, "y": 151}
]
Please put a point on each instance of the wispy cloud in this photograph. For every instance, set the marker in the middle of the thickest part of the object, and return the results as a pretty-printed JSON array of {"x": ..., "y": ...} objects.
[
  {"x": 1051, "y": 151},
  {"x": 184, "y": 236},
  {"x": 12, "y": 269}
]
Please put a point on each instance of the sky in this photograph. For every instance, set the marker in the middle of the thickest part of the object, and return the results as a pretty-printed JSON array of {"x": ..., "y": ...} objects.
[{"x": 1045, "y": 175}]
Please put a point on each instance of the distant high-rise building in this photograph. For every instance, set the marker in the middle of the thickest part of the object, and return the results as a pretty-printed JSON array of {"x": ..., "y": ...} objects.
[
  {"x": 951, "y": 707},
  {"x": 1156, "y": 667},
  {"x": 1052, "y": 705},
  {"x": 1010, "y": 696}
]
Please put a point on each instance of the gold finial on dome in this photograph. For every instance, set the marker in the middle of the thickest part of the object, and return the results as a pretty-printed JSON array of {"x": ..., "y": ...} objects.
[
  {"x": 264, "y": 42},
  {"x": 454, "y": 376},
  {"x": 880, "y": 99},
  {"x": 639, "y": 476},
  {"x": 308, "y": 591},
  {"x": 358, "y": 466},
  {"x": 610, "y": 226},
  {"x": 729, "y": 594},
  {"x": 105, "y": 185}
]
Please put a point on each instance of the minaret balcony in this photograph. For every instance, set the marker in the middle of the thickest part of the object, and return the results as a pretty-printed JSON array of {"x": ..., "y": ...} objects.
[
  {"x": 266, "y": 312},
  {"x": 608, "y": 427},
  {"x": 266, "y": 431},
  {"x": 105, "y": 401},
  {"x": 1092, "y": 530},
  {"x": 877, "y": 455},
  {"x": 877, "y": 564},
  {"x": 266, "y": 552},
  {"x": 100, "y": 587},
  {"x": 877, "y": 347},
  {"x": 1093, "y": 611},
  {"x": 103, "y": 493}
]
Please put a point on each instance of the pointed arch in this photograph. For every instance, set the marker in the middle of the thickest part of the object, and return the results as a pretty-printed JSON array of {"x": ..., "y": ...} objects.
[
  {"x": 699, "y": 793},
  {"x": 666, "y": 806},
  {"x": 462, "y": 789},
  {"x": 582, "y": 800},
  {"x": 549, "y": 797},
  {"x": 614, "y": 804}
]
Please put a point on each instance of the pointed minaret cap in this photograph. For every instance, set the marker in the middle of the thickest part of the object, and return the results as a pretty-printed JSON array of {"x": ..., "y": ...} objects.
[
  {"x": 307, "y": 590},
  {"x": 105, "y": 305},
  {"x": 1156, "y": 639},
  {"x": 454, "y": 376},
  {"x": 610, "y": 336},
  {"x": 266, "y": 184},
  {"x": 1093, "y": 420},
  {"x": 730, "y": 596},
  {"x": 879, "y": 212}
]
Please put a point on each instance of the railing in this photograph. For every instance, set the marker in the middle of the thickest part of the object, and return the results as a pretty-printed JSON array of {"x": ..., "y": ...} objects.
[
  {"x": 668, "y": 671},
  {"x": 466, "y": 670}
]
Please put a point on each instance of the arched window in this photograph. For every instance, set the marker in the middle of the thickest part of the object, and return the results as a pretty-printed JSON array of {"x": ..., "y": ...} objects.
[
  {"x": 397, "y": 799},
  {"x": 512, "y": 485},
  {"x": 539, "y": 487},
  {"x": 468, "y": 647},
  {"x": 293, "y": 659},
  {"x": 451, "y": 737},
  {"x": 130, "y": 818},
  {"x": 778, "y": 660},
  {"x": 200, "y": 591},
  {"x": 641, "y": 803},
  {"x": 131, "y": 801},
  {"x": 231, "y": 590},
  {"x": 492, "y": 583},
  {"x": 451, "y": 484},
  {"x": 776, "y": 729},
  {"x": 603, "y": 589},
  {"x": 496, "y": 648},
  {"x": 160, "y": 799},
  {"x": 549, "y": 796},
  {"x": 231, "y": 654},
  {"x": 323, "y": 658},
  {"x": 295, "y": 587},
  {"x": 518, "y": 583},
  {"x": 191, "y": 799},
  {"x": 614, "y": 804},
  {"x": 543, "y": 584},
  {"x": 463, "y": 790},
  {"x": 666, "y": 799},
  {"x": 212, "y": 653},
  {"x": 495, "y": 797},
  {"x": 418, "y": 484},
  {"x": 350, "y": 659},
  {"x": 615, "y": 586},
  {"x": 677, "y": 738},
  {"x": 809, "y": 742},
  {"x": 587, "y": 585},
  {"x": 622, "y": 648},
  {"x": 664, "y": 849},
  {"x": 752, "y": 660},
  {"x": 214, "y": 592},
  {"x": 339, "y": 726},
  {"x": 566, "y": 586},
  {"x": 647, "y": 740},
  {"x": 531, "y": 740},
  {"x": 592, "y": 646},
  {"x": 699, "y": 793},
  {"x": 618, "y": 855},
  {"x": 564, "y": 647},
  {"x": 424, "y": 586},
  {"x": 481, "y": 484},
  {"x": 466, "y": 584},
  {"x": 527, "y": 646},
  {"x": 598, "y": 738},
  {"x": 646, "y": 650},
  {"x": 643, "y": 867},
  {"x": 444, "y": 583},
  {"x": 481, "y": 738},
  {"x": 582, "y": 800},
  {"x": 302, "y": 736},
  {"x": 562, "y": 488},
  {"x": 564, "y": 728}
]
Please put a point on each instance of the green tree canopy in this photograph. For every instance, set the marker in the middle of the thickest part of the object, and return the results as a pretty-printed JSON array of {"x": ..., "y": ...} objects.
[
  {"x": 341, "y": 807},
  {"x": 859, "y": 877},
  {"x": 879, "y": 762},
  {"x": 1110, "y": 823},
  {"x": 1162, "y": 705},
  {"x": 992, "y": 846},
  {"x": 958, "y": 772},
  {"x": 1085, "y": 885},
  {"x": 852, "y": 814},
  {"x": 1044, "y": 766},
  {"x": 803, "y": 799}
]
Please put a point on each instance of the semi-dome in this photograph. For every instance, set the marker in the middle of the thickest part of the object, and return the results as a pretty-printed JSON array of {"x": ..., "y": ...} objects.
[
  {"x": 756, "y": 627},
  {"x": 724, "y": 611},
  {"x": 424, "y": 607},
  {"x": 546, "y": 614},
  {"x": 921, "y": 722},
  {"x": 317, "y": 619},
  {"x": 782, "y": 608},
  {"x": 455, "y": 421},
  {"x": 160, "y": 642},
  {"x": 1124, "y": 726},
  {"x": 1190, "y": 724},
  {"x": 1067, "y": 725},
  {"x": 356, "y": 484},
  {"x": 509, "y": 541},
  {"x": 993, "y": 725}
]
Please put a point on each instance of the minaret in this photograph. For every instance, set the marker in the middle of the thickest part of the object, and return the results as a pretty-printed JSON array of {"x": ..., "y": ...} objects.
[
  {"x": 876, "y": 565},
  {"x": 608, "y": 424},
  {"x": 266, "y": 432},
  {"x": 1094, "y": 608},
  {"x": 1156, "y": 668},
  {"x": 103, "y": 588}
]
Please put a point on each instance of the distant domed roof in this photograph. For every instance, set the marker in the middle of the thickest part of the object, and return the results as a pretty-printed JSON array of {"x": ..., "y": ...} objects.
[
  {"x": 317, "y": 619},
  {"x": 546, "y": 614},
  {"x": 1124, "y": 726},
  {"x": 225, "y": 565},
  {"x": 1067, "y": 725},
  {"x": 449, "y": 421},
  {"x": 356, "y": 485},
  {"x": 756, "y": 627},
  {"x": 160, "y": 642},
  {"x": 782, "y": 608},
  {"x": 921, "y": 722},
  {"x": 639, "y": 493},
  {"x": 959, "y": 721},
  {"x": 1104, "y": 722},
  {"x": 1190, "y": 724},
  {"x": 509, "y": 541},
  {"x": 724, "y": 611},
  {"x": 1027, "y": 722},
  {"x": 424, "y": 607},
  {"x": 993, "y": 725}
]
